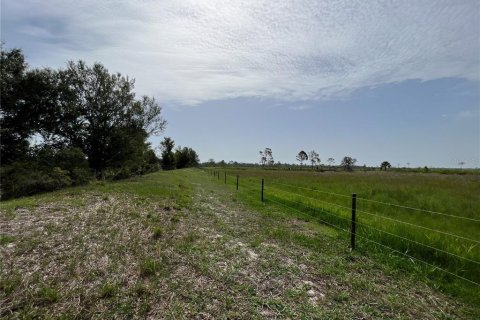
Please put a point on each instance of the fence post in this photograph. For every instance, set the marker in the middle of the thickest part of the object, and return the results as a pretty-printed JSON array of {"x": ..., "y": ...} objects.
[
  {"x": 225, "y": 177},
  {"x": 354, "y": 211},
  {"x": 262, "y": 188},
  {"x": 218, "y": 175},
  {"x": 237, "y": 181}
]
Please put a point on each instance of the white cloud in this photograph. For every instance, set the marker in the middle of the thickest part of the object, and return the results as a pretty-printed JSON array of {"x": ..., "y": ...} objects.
[
  {"x": 301, "y": 107},
  {"x": 468, "y": 114},
  {"x": 191, "y": 52}
]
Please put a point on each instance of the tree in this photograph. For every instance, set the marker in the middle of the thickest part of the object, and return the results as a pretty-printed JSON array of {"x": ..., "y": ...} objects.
[
  {"x": 314, "y": 158},
  {"x": 100, "y": 114},
  {"x": 22, "y": 99},
  {"x": 302, "y": 156},
  {"x": 81, "y": 112},
  {"x": 266, "y": 157},
  {"x": 461, "y": 164},
  {"x": 185, "y": 158},
  {"x": 263, "y": 158},
  {"x": 385, "y": 165},
  {"x": 348, "y": 163},
  {"x": 168, "y": 158}
]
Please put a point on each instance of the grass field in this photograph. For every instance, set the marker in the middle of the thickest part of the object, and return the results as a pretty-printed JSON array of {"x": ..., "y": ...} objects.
[
  {"x": 182, "y": 245},
  {"x": 445, "y": 232}
]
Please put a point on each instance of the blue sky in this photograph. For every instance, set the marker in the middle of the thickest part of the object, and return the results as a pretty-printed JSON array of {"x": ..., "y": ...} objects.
[{"x": 376, "y": 80}]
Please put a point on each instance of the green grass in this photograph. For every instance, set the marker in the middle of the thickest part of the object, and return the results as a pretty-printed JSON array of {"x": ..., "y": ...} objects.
[
  {"x": 108, "y": 290},
  {"x": 182, "y": 245},
  {"x": 326, "y": 198}
]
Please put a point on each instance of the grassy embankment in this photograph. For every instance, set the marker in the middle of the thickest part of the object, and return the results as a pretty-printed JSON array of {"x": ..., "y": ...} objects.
[
  {"x": 450, "y": 222},
  {"x": 181, "y": 245}
]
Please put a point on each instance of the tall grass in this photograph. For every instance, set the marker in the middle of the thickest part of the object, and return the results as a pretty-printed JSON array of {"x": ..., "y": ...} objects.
[{"x": 444, "y": 232}]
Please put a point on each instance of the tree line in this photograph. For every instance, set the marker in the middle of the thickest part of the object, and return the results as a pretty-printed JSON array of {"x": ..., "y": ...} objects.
[
  {"x": 180, "y": 158},
  {"x": 347, "y": 162},
  {"x": 64, "y": 127}
]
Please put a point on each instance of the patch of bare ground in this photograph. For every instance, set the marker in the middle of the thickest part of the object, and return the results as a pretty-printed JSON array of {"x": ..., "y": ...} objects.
[{"x": 123, "y": 256}]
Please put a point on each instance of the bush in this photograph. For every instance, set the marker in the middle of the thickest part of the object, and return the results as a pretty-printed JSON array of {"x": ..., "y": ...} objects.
[
  {"x": 81, "y": 176},
  {"x": 47, "y": 169},
  {"x": 23, "y": 179}
]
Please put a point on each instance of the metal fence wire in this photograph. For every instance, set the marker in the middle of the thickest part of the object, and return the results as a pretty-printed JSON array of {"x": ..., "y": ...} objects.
[{"x": 331, "y": 215}]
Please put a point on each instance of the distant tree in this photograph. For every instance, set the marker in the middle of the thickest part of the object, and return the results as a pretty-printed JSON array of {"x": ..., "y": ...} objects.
[
  {"x": 266, "y": 157},
  {"x": 168, "y": 157},
  {"x": 211, "y": 162},
  {"x": 385, "y": 165},
  {"x": 461, "y": 164},
  {"x": 185, "y": 158},
  {"x": 302, "y": 156},
  {"x": 314, "y": 158},
  {"x": 263, "y": 159},
  {"x": 348, "y": 163},
  {"x": 222, "y": 163}
]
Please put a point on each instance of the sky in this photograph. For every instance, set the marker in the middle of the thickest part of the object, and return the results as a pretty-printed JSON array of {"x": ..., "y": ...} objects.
[{"x": 375, "y": 80}]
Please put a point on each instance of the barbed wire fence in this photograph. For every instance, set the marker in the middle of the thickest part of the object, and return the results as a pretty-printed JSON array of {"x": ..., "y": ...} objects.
[{"x": 337, "y": 216}]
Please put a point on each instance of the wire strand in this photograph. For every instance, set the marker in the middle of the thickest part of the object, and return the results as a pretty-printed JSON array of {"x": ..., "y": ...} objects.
[
  {"x": 416, "y": 242},
  {"x": 300, "y": 195},
  {"x": 392, "y": 234},
  {"x": 427, "y": 263},
  {"x": 287, "y": 206},
  {"x": 315, "y": 190},
  {"x": 380, "y": 202},
  {"x": 385, "y": 246},
  {"x": 418, "y": 226},
  {"x": 418, "y": 209},
  {"x": 387, "y": 218}
]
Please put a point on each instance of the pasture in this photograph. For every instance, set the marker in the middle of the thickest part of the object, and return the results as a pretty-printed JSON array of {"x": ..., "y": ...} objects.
[{"x": 431, "y": 219}]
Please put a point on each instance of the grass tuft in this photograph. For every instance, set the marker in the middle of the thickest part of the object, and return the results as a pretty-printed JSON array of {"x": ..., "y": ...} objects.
[
  {"x": 108, "y": 290},
  {"x": 5, "y": 239},
  {"x": 47, "y": 295},
  {"x": 149, "y": 267},
  {"x": 157, "y": 232}
]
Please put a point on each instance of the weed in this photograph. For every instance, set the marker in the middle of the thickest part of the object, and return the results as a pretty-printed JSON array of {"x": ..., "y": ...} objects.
[
  {"x": 47, "y": 294},
  {"x": 108, "y": 290},
  {"x": 341, "y": 296},
  {"x": 140, "y": 289},
  {"x": 5, "y": 239},
  {"x": 148, "y": 267},
  {"x": 8, "y": 283},
  {"x": 157, "y": 232}
]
